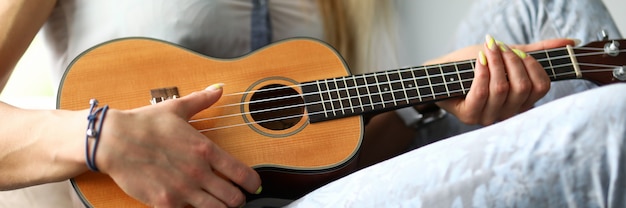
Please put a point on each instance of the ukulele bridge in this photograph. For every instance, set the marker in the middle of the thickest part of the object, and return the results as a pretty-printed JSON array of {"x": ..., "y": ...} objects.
[{"x": 163, "y": 94}]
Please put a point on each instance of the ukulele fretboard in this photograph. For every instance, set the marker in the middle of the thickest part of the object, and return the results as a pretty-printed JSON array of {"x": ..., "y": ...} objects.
[{"x": 357, "y": 94}]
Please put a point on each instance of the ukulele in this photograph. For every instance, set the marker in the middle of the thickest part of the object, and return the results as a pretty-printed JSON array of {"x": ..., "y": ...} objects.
[{"x": 291, "y": 110}]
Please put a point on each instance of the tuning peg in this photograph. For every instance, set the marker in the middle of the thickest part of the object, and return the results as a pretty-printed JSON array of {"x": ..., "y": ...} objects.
[
  {"x": 619, "y": 73},
  {"x": 602, "y": 36},
  {"x": 612, "y": 48}
]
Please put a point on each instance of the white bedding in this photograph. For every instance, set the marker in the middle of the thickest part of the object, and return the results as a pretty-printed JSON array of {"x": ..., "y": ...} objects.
[{"x": 566, "y": 153}]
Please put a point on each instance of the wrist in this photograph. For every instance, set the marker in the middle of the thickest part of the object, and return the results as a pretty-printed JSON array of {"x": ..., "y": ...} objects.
[
  {"x": 95, "y": 120},
  {"x": 63, "y": 138},
  {"x": 110, "y": 149}
]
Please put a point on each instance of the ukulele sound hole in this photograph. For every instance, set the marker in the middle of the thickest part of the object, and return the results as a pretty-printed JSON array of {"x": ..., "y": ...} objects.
[{"x": 276, "y": 107}]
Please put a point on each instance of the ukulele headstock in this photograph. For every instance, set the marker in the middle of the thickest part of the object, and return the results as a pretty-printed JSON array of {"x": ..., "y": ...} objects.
[{"x": 602, "y": 62}]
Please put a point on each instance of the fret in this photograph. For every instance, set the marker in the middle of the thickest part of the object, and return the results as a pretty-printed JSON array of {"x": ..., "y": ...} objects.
[
  {"x": 397, "y": 89},
  {"x": 557, "y": 63},
  {"x": 312, "y": 95},
  {"x": 400, "y": 81},
  {"x": 336, "y": 92},
  {"x": 544, "y": 60},
  {"x": 363, "y": 88},
  {"x": 430, "y": 84},
  {"x": 331, "y": 89},
  {"x": 344, "y": 96},
  {"x": 562, "y": 64},
  {"x": 467, "y": 75},
  {"x": 549, "y": 61},
  {"x": 417, "y": 86},
  {"x": 317, "y": 100},
  {"x": 321, "y": 97},
  {"x": 374, "y": 91},
  {"x": 409, "y": 85},
  {"x": 349, "y": 98},
  {"x": 383, "y": 88},
  {"x": 443, "y": 77},
  {"x": 341, "y": 95},
  {"x": 423, "y": 83},
  {"x": 435, "y": 79},
  {"x": 390, "y": 90},
  {"x": 460, "y": 80},
  {"x": 326, "y": 96},
  {"x": 451, "y": 78},
  {"x": 353, "y": 90}
]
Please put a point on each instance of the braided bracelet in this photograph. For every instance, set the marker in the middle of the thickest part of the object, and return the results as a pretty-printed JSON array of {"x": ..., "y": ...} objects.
[{"x": 94, "y": 133}]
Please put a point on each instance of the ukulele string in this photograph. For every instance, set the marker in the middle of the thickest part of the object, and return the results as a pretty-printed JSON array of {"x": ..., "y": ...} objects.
[
  {"x": 434, "y": 95},
  {"x": 301, "y": 105},
  {"x": 373, "y": 74},
  {"x": 380, "y": 83},
  {"x": 409, "y": 69}
]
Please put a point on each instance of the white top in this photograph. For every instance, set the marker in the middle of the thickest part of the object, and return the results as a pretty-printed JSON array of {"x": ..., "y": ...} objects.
[{"x": 217, "y": 28}]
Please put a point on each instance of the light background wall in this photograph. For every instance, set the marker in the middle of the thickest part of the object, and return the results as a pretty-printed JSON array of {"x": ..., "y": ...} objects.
[
  {"x": 32, "y": 79},
  {"x": 440, "y": 19},
  {"x": 616, "y": 8}
]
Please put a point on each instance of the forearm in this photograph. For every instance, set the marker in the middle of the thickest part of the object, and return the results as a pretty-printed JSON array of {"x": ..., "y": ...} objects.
[
  {"x": 20, "y": 22},
  {"x": 40, "y": 146}
]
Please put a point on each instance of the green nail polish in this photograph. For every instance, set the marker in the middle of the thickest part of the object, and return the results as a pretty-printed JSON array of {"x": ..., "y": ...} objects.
[
  {"x": 520, "y": 53},
  {"x": 215, "y": 87},
  {"x": 490, "y": 42},
  {"x": 503, "y": 46},
  {"x": 258, "y": 191},
  {"x": 482, "y": 58}
]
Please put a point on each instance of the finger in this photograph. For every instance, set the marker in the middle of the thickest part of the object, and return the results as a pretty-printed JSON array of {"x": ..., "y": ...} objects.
[
  {"x": 224, "y": 191},
  {"x": 193, "y": 103},
  {"x": 547, "y": 44},
  {"x": 204, "y": 199},
  {"x": 498, "y": 84},
  {"x": 214, "y": 197},
  {"x": 519, "y": 83},
  {"x": 539, "y": 79},
  {"x": 202, "y": 173},
  {"x": 235, "y": 170},
  {"x": 470, "y": 109}
]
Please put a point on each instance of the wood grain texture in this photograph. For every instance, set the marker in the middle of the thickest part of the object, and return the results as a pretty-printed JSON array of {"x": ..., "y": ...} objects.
[{"x": 121, "y": 74}]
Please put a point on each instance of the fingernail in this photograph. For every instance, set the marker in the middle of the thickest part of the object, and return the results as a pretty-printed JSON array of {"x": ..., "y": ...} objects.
[
  {"x": 490, "y": 42},
  {"x": 482, "y": 58},
  {"x": 258, "y": 191},
  {"x": 576, "y": 41},
  {"x": 503, "y": 47},
  {"x": 215, "y": 87},
  {"x": 519, "y": 53}
]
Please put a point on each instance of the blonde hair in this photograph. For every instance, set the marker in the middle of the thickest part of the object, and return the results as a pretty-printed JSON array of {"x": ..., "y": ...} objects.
[{"x": 363, "y": 31}]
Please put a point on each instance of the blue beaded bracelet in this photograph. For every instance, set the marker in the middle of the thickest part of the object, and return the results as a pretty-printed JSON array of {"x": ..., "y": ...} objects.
[{"x": 94, "y": 133}]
